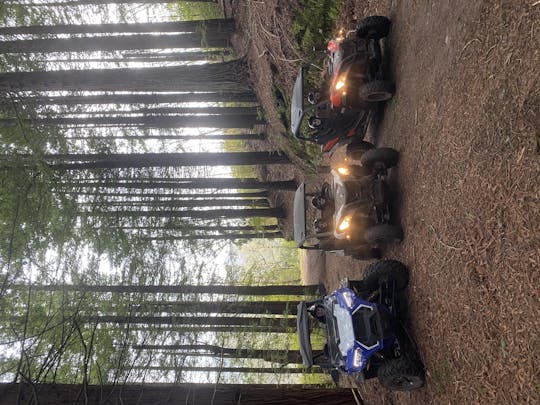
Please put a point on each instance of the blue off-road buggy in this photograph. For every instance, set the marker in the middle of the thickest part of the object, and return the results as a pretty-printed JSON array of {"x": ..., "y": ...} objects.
[{"x": 365, "y": 336}]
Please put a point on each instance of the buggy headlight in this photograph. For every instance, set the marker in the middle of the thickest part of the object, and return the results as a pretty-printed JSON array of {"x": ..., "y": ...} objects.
[
  {"x": 340, "y": 83},
  {"x": 348, "y": 298},
  {"x": 358, "y": 360},
  {"x": 345, "y": 223},
  {"x": 343, "y": 170}
]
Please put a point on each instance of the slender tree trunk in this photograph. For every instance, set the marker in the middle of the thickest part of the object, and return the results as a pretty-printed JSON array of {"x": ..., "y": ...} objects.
[
  {"x": 285, "y": 323},
  {"x": 164, "y": 394},
  {"x": 281, "y": 356},
  {"x": 214, "y": 77},
  {"x": 180, "y": 289},
  {"x": 225, "y": 236},
  {"x": 195, "y": 183},
  {"x": 245, "y": 370},
  {"x": 223, "y": 24},
  {"x": 203, "y": 214},
  {"x": 212, "y": 137},
  {"x": 98, "y": 2},
  {"x": 160, "y": 111},
  {"x": 117, "y": 160},
  {"x": 149, "y": 121},
  {"x": 257, "y": 194},
  {"x": 182, "y": 203},
  {"x": 224, "y": 307},
  {"x": 211, "y": 228}
]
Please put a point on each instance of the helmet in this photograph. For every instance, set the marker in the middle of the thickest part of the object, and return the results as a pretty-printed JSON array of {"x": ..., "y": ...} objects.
[
  {"x": 314, "y": 122},
  {"x": 313, "y": 98},
  {"x": 318, "y": 201}
]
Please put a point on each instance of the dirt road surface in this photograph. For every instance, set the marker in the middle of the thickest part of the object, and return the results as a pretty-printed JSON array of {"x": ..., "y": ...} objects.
[{"x": 466, "y": 122}]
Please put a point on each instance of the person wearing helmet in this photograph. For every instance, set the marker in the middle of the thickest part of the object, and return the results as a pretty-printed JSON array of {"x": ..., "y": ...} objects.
[{"x": 314, "y": 122}]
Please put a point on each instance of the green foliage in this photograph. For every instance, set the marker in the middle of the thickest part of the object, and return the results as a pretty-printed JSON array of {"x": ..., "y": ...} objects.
[
  {"x": 313, "y": 23},
  {"x": 188, "y": 11}
]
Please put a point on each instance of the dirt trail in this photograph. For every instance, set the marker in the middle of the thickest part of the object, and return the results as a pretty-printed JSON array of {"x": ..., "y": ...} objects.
[{"x": 466, "y": 121}]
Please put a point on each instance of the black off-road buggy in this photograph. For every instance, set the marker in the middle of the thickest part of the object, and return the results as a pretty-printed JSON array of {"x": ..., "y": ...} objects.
[
  {"x": 363, "y": 330},
  {"x": 352, "y": 214},
  {"x": 339, "y": 112}
]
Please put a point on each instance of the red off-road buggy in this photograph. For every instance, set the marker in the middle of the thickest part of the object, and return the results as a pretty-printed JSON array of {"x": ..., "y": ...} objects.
[{"x": 354, "y": 82}]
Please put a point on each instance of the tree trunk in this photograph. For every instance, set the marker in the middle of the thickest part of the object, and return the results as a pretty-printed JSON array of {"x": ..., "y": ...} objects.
[
  {"x": 169, "y": 394},
  {"x": 149, "y": 121},
  {"x": 225, "y": 236},
  {"x": 223, "y": 307},
  {"x": 245, "y": 370},
  {"x": 202, "y": 214},
  {"x": 134, "y": 98},
  {"x": 214, "y": 77},
  {"x": 181, "y": 289},
  {"x": 260, "y": 194},
  {"x": 285, "y": 323},
  {"x": 238, "y": 202},
  {"x": 195, "y": 183},
  {"x": 211, "y": 137},
  {"x": 210, "y": 39},
  {"x": 161, "y": 111},
  {"x": 222, "y": 24},
  {"x": 280, "y": 356},
  {"x": 119, "y": 160}
]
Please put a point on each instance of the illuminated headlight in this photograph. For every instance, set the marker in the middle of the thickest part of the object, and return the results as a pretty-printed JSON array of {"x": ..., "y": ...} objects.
[
  {"x": 340, "y": 84},
  {"x": 358, "y": 360},
  {"x": 345, "y": 223},
  {"x": 343, "y": 171},
  {"x": 348, "y": 298}
]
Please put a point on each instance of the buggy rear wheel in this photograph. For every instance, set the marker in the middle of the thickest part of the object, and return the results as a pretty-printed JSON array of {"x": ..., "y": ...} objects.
[
  {"x": 385, "y": 156},
  {"x": 376, "y": 91},
  {"x": 356, "y": 149},
  {"x": 375, "y": 27},
  {"x": 386, "y": 270},
  {"x": 401, "y": 374}
]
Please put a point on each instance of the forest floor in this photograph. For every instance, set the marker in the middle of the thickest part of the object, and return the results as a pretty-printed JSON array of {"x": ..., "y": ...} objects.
[{"x": 466, "y": 122}]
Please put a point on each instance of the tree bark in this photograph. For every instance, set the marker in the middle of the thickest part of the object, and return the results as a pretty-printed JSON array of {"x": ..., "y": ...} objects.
[
  {"x": 245, "y": 370},
  {"x": 149, "y": 121},
  {"x": 281, "y": 356},
  {"x": 134, "y": 98},
  {"x": 224, "y": 236},
  {"x": 212, "y": 137},
  {"x": 195, "y": 183},
  {"x": 181, "y": 289},
  {"x": 202, "y": 214},
  {"x": 118, "y": 160},
  {"x": 285, "y": 323},
  {"x": 169, "y": 394},
  {"x": 224, "y": 307},
  {"x": 222, "y": 24},
  {"x": 238, "y": 202},
  {"x": 214, "y": 77}
]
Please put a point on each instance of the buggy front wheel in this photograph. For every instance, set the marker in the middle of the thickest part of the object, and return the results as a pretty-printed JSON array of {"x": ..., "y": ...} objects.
[
  {"x": 386, "y": 270},
  {"x": 377, "y": 91},
  {"x": 375, "y": 27},
  {"x": 401, "y": 374}
]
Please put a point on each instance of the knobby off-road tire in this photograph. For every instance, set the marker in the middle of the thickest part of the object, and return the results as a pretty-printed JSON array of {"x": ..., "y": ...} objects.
[
  {"x": 376, "y": 91},
  {"x": 386, "y": 156},
  {"x": 375, "y": 26},
  {"x": 386, "y": 270},
  {"x": 356, "y": 149},
  {"x": 401, "y": 374}
]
